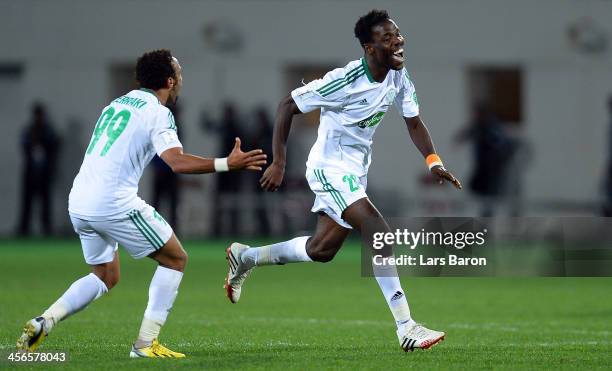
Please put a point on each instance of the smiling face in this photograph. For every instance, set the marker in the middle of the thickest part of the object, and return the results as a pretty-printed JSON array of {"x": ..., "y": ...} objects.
[{"x": 387, "y": 46}]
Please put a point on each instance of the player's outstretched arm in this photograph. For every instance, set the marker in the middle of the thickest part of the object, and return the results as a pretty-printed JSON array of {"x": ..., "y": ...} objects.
[
  {"x": 184, "y": 163},
  {"x": 421, "y": 139},
  {"x": 273, "y": 176}
]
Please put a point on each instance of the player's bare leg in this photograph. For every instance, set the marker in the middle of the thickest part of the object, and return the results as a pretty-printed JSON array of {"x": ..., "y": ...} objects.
[
  {"x": 102, "y": 278},
  {"x": 163, "y": 290},
  {"x": 327, "y": 239},
  {"x": 321, "y": 247},
  {"x": 363, "y": 216}
]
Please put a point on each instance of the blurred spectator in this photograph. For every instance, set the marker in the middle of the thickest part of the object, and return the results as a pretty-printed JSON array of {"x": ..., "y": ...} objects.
[
  {"x": 166, "y": 183},
  {"x": 40, "y": 146},
  {"x": 607, "y": 207},
  {"x": 228, "y": 183},
  {"x": 261, "y": 137},
  {"x": 493, "y": 150}
]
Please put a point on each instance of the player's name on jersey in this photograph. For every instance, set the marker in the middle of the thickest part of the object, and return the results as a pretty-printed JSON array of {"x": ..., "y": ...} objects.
[
  {"x": 131, "y": 101},
  {"x": 450, "y": 260}
]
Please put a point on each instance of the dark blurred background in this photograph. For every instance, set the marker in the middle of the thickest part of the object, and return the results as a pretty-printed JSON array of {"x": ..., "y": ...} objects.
[{"x": 517, "y": 96}]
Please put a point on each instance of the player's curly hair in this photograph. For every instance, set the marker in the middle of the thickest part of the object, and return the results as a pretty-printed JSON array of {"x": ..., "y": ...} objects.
[
  {"x": 363, "y": 27},
  {"x": 153, "y": 69}
]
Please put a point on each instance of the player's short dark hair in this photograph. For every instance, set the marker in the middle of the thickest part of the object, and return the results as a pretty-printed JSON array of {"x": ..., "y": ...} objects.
[
  {"x": 364, "y": 25},
  {"x": 153, "y": 69}
]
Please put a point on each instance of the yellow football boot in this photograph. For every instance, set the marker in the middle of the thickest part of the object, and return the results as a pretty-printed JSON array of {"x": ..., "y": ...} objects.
[
  {"x": 155, "y": 350},
  {"x": 34, "y": 332}
]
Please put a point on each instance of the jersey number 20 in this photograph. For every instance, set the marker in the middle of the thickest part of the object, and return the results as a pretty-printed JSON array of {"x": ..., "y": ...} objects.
[{"x": 111, "y": 123}]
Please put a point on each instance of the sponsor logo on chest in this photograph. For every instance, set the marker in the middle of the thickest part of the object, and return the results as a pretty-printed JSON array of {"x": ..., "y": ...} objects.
[
  {"x": 371, "y": 121},
  {"x": 375, "y": 119}
]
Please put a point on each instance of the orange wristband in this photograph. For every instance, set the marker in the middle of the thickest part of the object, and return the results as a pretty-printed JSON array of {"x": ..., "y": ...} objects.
[{"x": 433, "y": 160}]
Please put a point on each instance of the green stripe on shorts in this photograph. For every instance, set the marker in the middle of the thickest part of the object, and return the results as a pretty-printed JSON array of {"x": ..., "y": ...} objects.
[
  {"x": 333, "y": 189},
  {"x": 150, "y": 229},
  {"x": 132, "y": 216},
  {"x": 329, "y": 188},
  {"x": 325, "y": 188}
]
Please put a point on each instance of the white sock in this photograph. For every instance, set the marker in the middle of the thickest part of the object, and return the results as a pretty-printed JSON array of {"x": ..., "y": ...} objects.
[
  {"x": 149, "y": 330},
  {"x": 389, "y": 283},
  {"x": 82, "y": 292},
  {"x": 291, "y": 251},
  {"x": 162, "y": 293}
]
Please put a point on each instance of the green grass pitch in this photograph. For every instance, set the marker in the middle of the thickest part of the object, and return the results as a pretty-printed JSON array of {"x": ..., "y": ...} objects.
[{"x": 307, "y": 316}]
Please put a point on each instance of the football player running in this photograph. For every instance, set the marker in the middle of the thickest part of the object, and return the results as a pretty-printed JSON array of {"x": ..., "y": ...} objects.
[
  {"x": 353, "y": 101},
  {"x": 105, "y": 209}
]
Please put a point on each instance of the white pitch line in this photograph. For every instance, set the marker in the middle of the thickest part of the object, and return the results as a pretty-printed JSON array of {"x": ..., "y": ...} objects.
[
  {"x": 553, "y": 344},
  {"x": 344, "y": 322},
  {"x": 517, "y": 327}
]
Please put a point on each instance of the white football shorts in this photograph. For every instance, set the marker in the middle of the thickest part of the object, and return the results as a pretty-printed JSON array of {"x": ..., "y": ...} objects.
[
  {"x": 141, "y": 232},
  {"x": 334, "y": 192}
]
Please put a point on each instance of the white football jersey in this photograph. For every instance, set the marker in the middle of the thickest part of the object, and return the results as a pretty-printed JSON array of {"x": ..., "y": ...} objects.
[
  {"x": 352, "y": 106},
  {"x": 129, "y": 132}
]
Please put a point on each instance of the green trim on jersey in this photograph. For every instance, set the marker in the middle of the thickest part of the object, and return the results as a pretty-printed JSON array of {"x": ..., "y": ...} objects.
[
  {"x": 334, "y": 82},
  {"x": 150, "y": 92},
  {"x": 171, "y": 120},
  {"x": 332, "y": 191},
  {"x": 338, "y": 84},
  {"x": 414, "y": 94},
  {"x": 367, "y": 70}
]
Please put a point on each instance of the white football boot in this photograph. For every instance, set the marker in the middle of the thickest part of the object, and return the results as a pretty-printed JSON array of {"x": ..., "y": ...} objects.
[
  {"x": 418, "y": 336},
  {"x": 237, "y": 271}
]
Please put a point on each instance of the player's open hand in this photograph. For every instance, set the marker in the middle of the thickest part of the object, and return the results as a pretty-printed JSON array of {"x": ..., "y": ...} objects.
[
  {"x": 441, "y": 174},
  {"x": 252, "y": 160},
  {"x": 272, "y": 177}
]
